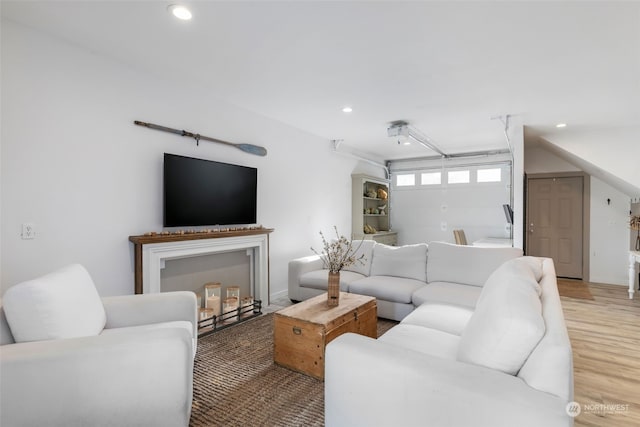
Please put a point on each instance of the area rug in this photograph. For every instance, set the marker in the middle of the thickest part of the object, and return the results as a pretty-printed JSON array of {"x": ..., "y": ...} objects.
[
  {"x": 236, "y": 382},
  {"x": 574, "y": 289}
]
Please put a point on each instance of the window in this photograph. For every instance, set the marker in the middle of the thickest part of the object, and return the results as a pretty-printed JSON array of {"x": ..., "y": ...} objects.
[
  {"x": 489, "y": 175},
  {"x": 458, "y": 177},
  {"x": 431, "y": 178},
  {"x": 406, "y": 180}
]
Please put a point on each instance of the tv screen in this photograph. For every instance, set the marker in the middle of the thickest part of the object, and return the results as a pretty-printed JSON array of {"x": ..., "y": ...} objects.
[{"x": 202, "y": 192}]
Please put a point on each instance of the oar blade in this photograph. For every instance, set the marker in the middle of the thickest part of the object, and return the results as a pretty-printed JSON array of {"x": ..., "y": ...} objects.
[{"x": 252, "y": 149}]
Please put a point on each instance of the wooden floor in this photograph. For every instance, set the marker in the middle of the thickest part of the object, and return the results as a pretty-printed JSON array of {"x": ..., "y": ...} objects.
[{"x": 605, "y": 336}]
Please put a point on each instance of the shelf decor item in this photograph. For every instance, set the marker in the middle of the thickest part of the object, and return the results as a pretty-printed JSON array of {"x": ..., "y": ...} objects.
[{"x": 338, "y": 254}]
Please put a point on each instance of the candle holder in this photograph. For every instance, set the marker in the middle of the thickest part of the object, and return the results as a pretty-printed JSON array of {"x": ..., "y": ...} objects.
[
  {"x": 212, "y": 296},
  {"x": 230, "y": 309},
  {"x": 246, "y": 306},
  {"x": 233, "y": 292},
  {"x": 199, "y": 298},
  {"x": 205, "y": 318}
]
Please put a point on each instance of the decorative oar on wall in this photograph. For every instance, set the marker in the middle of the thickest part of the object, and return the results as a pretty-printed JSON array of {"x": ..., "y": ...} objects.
[{"x": 247, "y": 148}]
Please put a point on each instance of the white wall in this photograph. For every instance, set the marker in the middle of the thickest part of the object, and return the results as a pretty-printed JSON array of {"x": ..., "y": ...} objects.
[
  {"x": 609, "y": 257},
  {"x": 595, "y": 147},
  {"x": 609, "y": 231},
  {"x": 75, "y": 165},
  {"x": 539, "y": 160}
]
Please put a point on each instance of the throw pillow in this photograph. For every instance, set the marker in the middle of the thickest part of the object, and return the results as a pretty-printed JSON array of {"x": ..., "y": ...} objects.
[
  {"x": 409, "y": 261},
  {"x": 468, "y": 265},
  {"x": 364, "y": 247},
  {"x": 507, "y": 323},
  {"x": 62, "y": 304}
]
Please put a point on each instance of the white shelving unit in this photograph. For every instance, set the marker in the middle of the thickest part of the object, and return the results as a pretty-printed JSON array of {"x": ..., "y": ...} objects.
[{"x": 370, "y": 210}]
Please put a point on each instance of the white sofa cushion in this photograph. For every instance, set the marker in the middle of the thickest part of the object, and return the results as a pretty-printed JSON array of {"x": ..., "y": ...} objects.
[
  {"x": 469, "y": 265},
  {"x": 62, "y": 304},
  {"x": 386, "y": 288},
  {"x": 424, "y": 340},
  {"x": 507, "y": 323},
  {"x": 447, "y": 293},
  {"x": 409, "y": 261},
  {"x": 517, "y": 271},
  {"x": 364, "y": 248},
  {"x": 443, "y": 317},
  {"x": 319, "y": 279}
]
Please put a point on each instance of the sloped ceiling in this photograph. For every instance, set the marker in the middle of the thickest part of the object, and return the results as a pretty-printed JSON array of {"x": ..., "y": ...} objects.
[
  {"x": 616, "y": 163},
  {"x": 448, "y": 68}
]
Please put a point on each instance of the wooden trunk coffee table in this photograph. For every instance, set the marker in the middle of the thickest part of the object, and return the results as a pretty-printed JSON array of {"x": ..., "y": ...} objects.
[{"x": 302, "y": 331}]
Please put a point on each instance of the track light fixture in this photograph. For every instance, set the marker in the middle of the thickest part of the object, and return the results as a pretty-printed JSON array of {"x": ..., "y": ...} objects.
[{"x": 403, "y": 132}]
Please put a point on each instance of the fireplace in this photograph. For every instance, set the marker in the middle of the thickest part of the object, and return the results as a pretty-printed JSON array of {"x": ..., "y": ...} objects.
[{"x": 152, "y": 251}]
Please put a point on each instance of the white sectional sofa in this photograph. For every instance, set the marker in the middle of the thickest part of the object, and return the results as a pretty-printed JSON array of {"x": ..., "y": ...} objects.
[
  {"x": 402, "y": 278},
  {"x": 506, "y": 362}
]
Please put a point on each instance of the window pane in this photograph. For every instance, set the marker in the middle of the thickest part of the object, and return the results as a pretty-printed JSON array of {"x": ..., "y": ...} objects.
[
  {"x": 489, "y": 175},
  {"x": 458, "y": 177},
  {"x": 405, "y": 180},
  {"x": 431, "y": 178}
]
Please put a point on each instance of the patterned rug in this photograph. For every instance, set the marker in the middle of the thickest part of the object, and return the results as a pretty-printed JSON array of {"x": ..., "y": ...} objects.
[{"x": 236, "y": 382}]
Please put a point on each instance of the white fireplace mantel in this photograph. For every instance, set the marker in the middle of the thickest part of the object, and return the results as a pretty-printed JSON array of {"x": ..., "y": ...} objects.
[{"x": 151, "y": 253}]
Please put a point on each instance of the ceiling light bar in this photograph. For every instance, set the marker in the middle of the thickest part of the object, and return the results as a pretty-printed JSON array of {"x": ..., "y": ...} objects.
[{"x": 403, "y": 131}]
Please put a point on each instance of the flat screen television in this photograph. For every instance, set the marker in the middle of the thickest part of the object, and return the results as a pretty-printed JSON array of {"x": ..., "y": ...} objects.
[{"x": 203, "y": 192}]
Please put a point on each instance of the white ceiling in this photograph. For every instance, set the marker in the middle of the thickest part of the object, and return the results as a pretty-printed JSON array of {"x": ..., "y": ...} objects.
[{"x": 445, "y": 67}]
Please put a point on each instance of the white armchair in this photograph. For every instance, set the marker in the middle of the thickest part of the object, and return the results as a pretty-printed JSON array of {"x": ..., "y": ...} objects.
[{"x": 71, "y": 358}]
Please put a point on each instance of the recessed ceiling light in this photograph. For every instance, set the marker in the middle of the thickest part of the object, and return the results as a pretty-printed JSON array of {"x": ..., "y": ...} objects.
[
  {"x": 347, "y": 109},
  {"x": 180, "y": 12},
  {"x": 561, "y": 125}
]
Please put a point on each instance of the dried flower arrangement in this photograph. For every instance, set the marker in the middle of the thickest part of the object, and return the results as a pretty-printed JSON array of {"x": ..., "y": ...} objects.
[{"x": 340, "y": 253}]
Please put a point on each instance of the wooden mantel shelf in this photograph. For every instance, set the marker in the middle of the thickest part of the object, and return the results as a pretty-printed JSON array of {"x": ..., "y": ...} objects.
[{"x": 146, "y": 239}]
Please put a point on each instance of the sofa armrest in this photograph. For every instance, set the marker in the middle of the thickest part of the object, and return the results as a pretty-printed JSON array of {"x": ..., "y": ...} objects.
[
  {"x": 135, "y": 310},
  {"x": 416, "y": 389},
  {"x": 297, "y": 268},
  {"x": 143, "y": 379}
]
